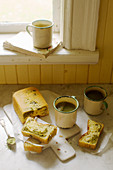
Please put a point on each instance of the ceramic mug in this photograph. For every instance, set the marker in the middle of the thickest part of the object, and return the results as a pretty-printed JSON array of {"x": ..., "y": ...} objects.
[
  {"x": 65, "y": 111},
  {"x": 41, "y": 33},
  {"x": 94, "y": 100}
]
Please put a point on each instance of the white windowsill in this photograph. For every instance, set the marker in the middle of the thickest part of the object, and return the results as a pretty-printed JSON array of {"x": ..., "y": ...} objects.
[{"x": 60, "y": 56}]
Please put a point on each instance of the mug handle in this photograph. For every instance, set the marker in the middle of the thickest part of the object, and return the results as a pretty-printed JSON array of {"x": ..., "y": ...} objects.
[
  {"x": 27, "y": 29},
  {"x": 105, "y": 104}
]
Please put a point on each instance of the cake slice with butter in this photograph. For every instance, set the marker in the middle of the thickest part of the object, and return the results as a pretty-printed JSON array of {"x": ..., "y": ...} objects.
[
  {"x": 91, "y": 137},
  {"x": 29, "y": 102},
  {"x": 40, "y": 131}
]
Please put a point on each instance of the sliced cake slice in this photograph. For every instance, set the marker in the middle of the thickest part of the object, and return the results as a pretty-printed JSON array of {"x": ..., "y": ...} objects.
[
  {"x": 40, "y": 131},
  {"x": 88, "y": 140},
  {"x": 95, "y": 126},
  {"x": 91, "y": 137},
  {"x": 33, "y": 145}
]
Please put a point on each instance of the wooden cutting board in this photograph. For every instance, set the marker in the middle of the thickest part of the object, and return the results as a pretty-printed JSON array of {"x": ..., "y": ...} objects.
[{"x": 59, "y": 144}]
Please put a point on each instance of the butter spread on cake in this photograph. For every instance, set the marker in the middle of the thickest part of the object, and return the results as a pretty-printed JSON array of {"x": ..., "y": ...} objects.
[
  {"x": 40, "y": 131},
  {"x": 29, "y": 102}
]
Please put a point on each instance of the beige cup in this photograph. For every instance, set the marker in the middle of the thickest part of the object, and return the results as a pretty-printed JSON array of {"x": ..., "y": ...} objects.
[
  {"x": 41, "y": 33},
  {"x": 94, "y": 100},
  {"x": 65, "y": 119}
]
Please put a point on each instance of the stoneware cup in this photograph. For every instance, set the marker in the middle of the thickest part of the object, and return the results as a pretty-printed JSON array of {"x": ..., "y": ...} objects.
[
  {"x": 41, "y": 33},
  {"x": 65, "y": 119},
  {"x": 94, "y": 100}
]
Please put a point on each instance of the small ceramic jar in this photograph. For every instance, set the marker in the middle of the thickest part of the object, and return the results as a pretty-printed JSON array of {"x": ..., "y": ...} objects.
[{"x": 65, "y": 118}]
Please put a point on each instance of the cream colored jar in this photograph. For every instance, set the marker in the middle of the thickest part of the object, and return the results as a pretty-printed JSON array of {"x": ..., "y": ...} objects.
[
  {"x": 41, "y": 33},
  {"x": 65, "y": 119},
  {"x": 93, "y": 104}
]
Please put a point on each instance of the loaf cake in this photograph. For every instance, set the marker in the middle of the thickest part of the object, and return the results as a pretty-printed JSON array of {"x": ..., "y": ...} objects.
[
  {"x": 40, "y": 131},
  {"x": 91, "y": 137},
  {"x": 33, "y": 145},
  {"x": 29, "y": 102}
]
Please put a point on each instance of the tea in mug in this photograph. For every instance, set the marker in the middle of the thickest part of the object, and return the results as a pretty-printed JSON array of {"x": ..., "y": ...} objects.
[
  {"x": 41, "y": 25},
  {"x": 95, "y": 95},
  {"x": 65, "y": 106}
]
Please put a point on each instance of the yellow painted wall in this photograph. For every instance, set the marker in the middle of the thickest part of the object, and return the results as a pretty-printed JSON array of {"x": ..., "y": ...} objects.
[{"x": 69, "y": 74}]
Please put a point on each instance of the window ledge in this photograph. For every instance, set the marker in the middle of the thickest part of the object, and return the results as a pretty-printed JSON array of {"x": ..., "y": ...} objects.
[{"x": 60, "y": 56}]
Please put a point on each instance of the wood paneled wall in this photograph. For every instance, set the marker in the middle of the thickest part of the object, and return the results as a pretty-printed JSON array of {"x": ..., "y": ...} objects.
[{"x": 69, "y": 74}]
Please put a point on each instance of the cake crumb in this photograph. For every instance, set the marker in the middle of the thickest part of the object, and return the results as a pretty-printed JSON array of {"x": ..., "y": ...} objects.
[{"x": 58, "y": 149}]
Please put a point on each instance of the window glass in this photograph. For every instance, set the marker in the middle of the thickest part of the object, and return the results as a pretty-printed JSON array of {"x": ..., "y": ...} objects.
[{"x": 25, "y": 10}]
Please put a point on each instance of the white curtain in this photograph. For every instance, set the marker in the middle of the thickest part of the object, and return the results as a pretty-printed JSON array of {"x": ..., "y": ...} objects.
[{"x": 79, "y": 22}]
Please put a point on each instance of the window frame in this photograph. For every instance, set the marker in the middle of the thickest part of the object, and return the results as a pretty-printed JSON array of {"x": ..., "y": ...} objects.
[
  {"x": 14, "y": 27},
  {"x": 60, "y": 56}
]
